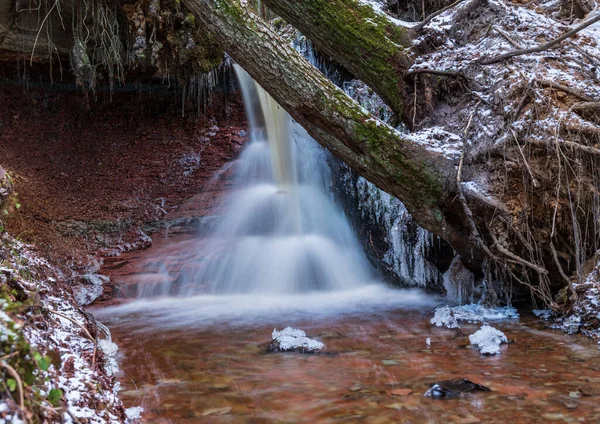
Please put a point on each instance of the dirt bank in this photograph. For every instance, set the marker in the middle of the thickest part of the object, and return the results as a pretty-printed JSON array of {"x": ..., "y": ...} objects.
[{"x": 88, "y": 175}]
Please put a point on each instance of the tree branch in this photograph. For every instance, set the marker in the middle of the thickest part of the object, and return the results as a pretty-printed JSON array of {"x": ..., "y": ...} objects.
[
  {"x": 423, "y": 180},
  {"x": 14, "y": 374},
  {"x": 543, "y": 47},
  {"x": 586, "y": 106},
  {"x": 363, "y": 40},
  {"x": 428, "y": 19},
  {"x": 437, "y": 72},
  {"x": 582, "y": 147},
  {"x": 579, "y": 94}
]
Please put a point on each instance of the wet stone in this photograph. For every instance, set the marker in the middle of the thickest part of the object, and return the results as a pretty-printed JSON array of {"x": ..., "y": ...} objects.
[
  {"x": 220, "y": 386},
  {"x": 450, "y": 389},
  {"x": 552, "y": 416},
  {"x": 590, "y": 390},
  {"x": 465, "y": 420},
  {"x": 217, "y": 411},
  {"x": 569, "y": 403},
  {"x": 396, "y": 405},
  {"x": 401, "y": 392}
]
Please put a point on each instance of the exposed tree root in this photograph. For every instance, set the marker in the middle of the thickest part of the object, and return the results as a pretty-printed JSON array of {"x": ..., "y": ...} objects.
[
  {"x": 579, "y": 94},
  {"x": 543, "y": 47}
]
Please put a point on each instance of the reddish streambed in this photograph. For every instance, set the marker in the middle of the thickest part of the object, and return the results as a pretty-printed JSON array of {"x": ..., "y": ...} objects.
[
  {"x": 217, "y": 374},
  {"x": 375, "y": 368}
]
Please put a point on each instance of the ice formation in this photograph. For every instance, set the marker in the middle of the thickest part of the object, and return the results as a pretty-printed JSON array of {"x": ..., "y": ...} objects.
[
  {"x": 292, "y": 338},
  {"x": 488, "y": 339},
  {"x": 450, "y": 317}
]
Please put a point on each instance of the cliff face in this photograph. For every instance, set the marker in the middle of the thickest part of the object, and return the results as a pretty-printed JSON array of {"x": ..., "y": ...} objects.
[
  {"x": 104, "y": 42},
  {"x": 20, "y": 23}
]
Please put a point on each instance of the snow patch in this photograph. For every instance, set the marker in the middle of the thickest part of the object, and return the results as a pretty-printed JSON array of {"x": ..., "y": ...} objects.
[
  {"x": 82, "y": 384},
  {"x": 292, "y": 338},
  {"x": 110, "y": 350},
  {"x": 488, "y": 339},
  {"x": 134, "y": 413},
  {"x": 436, "y": 139}
]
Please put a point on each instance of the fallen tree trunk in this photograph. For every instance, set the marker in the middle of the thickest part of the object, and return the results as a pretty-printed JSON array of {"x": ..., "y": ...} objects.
[
  {"x": 424, "y": 181},
  {"x": 363, "y": 40}
]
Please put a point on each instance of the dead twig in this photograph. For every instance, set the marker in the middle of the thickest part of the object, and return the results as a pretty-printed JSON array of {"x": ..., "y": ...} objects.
[
  {"x": 523, "y": 100},
  {"x": 586, "y": 106},
  {"x": 558, "y": 265},
  {"x": 582, "y": 147},
  {"x": 428, "y": 19},
  {"x": 13, "y": 373},
  {"x": 579, "y": 94},
  {"x": 414, "y": 117},
  {"x": 73, "y": 417},
  {"x": 461, "y": 195},
  {"x": 507, "y": 37},
  {"x": 535, "y": 182},
  {"x": 85, "y": 330},
  {"x": 543, "y": 47},
  {"x": 437, "y": 72},
  {"x": 40, "y": 31}
]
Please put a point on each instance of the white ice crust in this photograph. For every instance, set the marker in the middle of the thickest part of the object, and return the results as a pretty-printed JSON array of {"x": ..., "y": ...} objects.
[
  {"x": 291, "y": 338},
  {"x": 488, "y": 339}
]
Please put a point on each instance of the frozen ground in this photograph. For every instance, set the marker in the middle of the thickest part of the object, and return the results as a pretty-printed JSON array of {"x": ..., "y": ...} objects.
[{"x": 42, "y": 327}]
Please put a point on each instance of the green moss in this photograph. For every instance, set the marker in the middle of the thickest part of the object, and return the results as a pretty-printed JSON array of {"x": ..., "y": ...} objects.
[
  {"x": 376, "y": 55},
  {"x": 230, "y": 8},
  {"x": 190, "y": 19},
  {"x": 20, "y": 356}
]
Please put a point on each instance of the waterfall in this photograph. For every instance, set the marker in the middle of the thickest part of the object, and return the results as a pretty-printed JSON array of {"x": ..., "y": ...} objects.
[{"x": 282, "y": 232}]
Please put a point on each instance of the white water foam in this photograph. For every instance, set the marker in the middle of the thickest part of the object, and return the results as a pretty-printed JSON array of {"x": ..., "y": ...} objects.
[
  {"x": 282, "y": 231},
  {"x": 255, "y": 309}
]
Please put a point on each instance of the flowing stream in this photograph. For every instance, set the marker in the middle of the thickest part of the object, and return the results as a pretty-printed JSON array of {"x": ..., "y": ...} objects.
[
  {"x": 281, "y": 233},
  {"x": 284, "y": 254}
]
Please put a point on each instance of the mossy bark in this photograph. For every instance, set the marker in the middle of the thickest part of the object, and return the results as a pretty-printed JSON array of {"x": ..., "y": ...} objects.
[
  {"x": 424, "y": 181},
  {"x": 363, "y": 40}
]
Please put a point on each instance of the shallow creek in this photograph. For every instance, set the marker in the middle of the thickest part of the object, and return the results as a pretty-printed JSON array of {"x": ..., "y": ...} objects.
[
  {"x": 217, "y": 373},
  {"x": 283, "y": 254},
  {"x": 196, "y": 359}
]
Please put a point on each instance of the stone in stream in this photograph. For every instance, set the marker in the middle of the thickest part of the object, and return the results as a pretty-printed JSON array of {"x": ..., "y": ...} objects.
[
  {"x": 450, "y": 389},
  {"x": 291, "y": 339}
]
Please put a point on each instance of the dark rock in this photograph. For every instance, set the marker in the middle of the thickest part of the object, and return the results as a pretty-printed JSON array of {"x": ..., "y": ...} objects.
[
  {"x": 275, "y": 347},
  {"x": 450, "y": 389}
]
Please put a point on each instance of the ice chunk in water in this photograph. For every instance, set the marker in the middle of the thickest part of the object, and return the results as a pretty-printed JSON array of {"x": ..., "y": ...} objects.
[
  {"x": 488, "y": 339},
  {"x": 292, "y": 338}
]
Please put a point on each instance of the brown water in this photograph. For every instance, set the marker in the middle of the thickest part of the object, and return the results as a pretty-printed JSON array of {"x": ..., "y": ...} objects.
[{"x": 374, "y": 369}]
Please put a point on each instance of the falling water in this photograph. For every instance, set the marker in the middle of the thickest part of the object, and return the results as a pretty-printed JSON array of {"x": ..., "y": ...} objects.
[{"x": 282, "y": 232}]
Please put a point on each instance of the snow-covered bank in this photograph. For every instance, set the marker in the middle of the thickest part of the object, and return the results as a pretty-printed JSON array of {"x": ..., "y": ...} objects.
[
  {"x": 585, "y": 314},
  {"x": 53, "y": 365}
]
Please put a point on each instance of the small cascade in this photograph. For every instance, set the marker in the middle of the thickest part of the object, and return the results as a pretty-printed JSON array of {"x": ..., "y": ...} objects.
[
  {"x": 394, "y": 242},
  {"x": 282, "y": 232}
]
